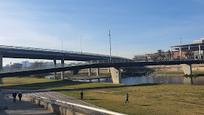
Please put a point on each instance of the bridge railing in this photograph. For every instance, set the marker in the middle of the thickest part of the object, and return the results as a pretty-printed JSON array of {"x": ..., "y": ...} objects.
[
  {"x": 59, "y": 65},
  {"x": 39, "y": 68},
  {"x": 95, "y": 62},
  {"x": 27, "y": 69},
  {"x": 112, "y": 61}
]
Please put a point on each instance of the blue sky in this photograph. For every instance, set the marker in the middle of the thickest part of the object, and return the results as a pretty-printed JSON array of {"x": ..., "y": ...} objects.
[{"x": 137, "y": 26}]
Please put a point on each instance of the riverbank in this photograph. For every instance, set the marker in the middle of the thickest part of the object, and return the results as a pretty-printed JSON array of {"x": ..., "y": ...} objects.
[
  {"x": 176, "y": 70},
  {"x": 32, "y": 83},
  {"x": 145, "y": 100}
]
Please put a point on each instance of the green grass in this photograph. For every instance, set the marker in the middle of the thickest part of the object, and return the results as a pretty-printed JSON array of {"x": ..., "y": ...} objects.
[
  {"x": 12, "y": 81},
  {"x": 41, "y": 83},
  {"x": 146, "y": 100}
]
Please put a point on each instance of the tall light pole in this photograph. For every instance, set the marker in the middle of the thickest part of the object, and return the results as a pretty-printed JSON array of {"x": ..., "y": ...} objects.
[
  {"x": 81, "y": 45},
  {"x": 62, "y": 45},
  {"x": 109, "y": 34}
]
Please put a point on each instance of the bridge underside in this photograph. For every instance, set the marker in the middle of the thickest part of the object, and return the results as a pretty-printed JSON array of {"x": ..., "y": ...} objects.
[{"x": 115, "y": 74}]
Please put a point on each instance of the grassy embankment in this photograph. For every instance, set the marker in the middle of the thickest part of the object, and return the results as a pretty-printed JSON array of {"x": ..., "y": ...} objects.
[
  {"x": 41, "y": 83},
  {"x": 177, "y": 73},
  {"x": 144, "y": 100}
]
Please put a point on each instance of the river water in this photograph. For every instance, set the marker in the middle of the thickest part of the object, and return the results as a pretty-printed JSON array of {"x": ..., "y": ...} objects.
[
  {"x": 161, "y": 79},
  {"x": 130, "y": 80}
]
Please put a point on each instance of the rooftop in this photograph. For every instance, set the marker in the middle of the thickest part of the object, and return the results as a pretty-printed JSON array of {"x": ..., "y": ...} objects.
[{"x": 194, "y": 43}]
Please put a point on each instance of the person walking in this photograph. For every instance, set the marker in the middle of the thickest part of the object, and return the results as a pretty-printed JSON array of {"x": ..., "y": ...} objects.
[
  {"x": 14, "y": 94},
  {"x": 20, "y": 96},
  {"x": 126, "y": 98},
  {"x": 82, "y": 95}
]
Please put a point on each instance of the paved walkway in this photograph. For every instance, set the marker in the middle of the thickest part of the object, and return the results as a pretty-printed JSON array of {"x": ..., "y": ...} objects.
[
  {"x": 53, "y": 95},
  {"x": 20, "y": 108},
  {"x": 28, "y": 108},
  {"x": 62, "y": 97}
]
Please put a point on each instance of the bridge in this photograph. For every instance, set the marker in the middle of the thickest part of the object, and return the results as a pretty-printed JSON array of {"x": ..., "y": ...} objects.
[
  {"x": 52, "y": 54},
  {"x": 115, "y": 68}
]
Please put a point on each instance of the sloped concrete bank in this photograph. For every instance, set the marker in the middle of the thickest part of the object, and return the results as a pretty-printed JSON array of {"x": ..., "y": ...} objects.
[{"x": 67, "y": 108}]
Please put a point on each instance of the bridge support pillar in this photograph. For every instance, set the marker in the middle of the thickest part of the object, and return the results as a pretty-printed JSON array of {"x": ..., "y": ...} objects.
[
  {"x": 115, "y": 75},
  {"x": 1, "y": 62},
  {"x": 75, "y": 72},
  {"x": 97, "y": 71},
  {"x": 62, "y": 73},
  {"x": 55, "y": 64},
  {"x": 187, "y": 69},
  {"x": 89, "y": 71}
]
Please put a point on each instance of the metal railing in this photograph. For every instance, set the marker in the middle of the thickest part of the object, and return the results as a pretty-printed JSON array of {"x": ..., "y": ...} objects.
[
  {"x": 39, "y": 68},
  {"x": 61, "y": 65}
]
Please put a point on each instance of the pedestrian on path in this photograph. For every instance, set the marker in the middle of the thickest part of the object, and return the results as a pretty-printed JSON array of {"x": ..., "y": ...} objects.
[
  {"x": 82, "y": 95},
  {"x": 20, "y": 96},
  {"x": 14, "y": 94},
  {"x": 126, "y": 98}
]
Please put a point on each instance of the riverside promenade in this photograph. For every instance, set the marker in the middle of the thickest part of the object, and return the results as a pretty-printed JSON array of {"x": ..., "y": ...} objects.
[
  {"x": 60, "y": 104},
  {"x": 8, "y": 107}
]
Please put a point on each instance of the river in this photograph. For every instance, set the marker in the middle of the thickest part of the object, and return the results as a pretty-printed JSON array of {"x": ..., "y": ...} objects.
[
  {"x": 161, "y": 79},
  {"x": 130, "y": 80}
]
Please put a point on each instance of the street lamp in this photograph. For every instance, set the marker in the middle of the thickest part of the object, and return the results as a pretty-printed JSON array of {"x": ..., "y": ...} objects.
[
  {"x": 109, "y": 34},
  {"x": 80, "y": 45}
]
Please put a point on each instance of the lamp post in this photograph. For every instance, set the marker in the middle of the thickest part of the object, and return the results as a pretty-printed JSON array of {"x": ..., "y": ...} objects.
[
  {"x": 109, "y": 34},
  {"x": 80, "y": 45},
  {"x": 62, "y": 45}
]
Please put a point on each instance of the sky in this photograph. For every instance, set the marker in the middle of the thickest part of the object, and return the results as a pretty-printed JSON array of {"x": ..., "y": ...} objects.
[{"x": 137, "y": 26}]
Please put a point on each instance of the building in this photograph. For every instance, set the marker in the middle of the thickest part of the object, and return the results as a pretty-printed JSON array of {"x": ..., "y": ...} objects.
[
  {"x": 140, "y": 58},
  {"x": 189, "y": 51}
]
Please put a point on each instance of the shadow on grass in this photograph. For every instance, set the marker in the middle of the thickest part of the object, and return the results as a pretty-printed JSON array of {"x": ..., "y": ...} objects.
[
  {"x": 44, "y": 85},
  {"x": 104, "y": 87},
  {"x": 60, "y": 84}
]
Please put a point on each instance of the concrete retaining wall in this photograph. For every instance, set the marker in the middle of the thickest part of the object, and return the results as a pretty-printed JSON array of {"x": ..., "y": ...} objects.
[{"x": 66, "y": 108}]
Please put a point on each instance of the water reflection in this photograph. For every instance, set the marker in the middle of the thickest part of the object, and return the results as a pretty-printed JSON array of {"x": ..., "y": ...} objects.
[
  {"x": 161, "y": 79},
  {"x": 130, "y": 80}
]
